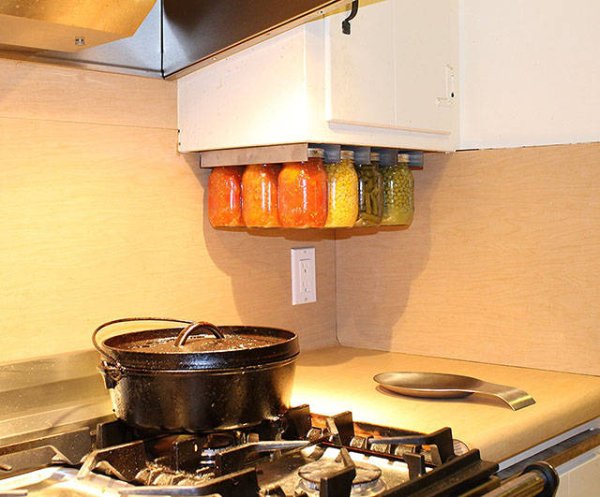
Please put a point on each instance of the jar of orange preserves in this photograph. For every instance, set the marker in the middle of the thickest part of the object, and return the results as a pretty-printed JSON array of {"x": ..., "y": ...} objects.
[
  {"x": 259, "y": 195},
  {"x": 225, "y": 197},
  {"x": 302, "y": 192}
]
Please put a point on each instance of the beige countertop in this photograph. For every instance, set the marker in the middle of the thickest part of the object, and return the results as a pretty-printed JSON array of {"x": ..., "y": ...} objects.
[{"x": 339, "y": 379}]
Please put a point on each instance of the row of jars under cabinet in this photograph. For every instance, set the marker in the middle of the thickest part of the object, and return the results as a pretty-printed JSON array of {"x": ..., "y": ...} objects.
[{"x": 313, "y": 194}]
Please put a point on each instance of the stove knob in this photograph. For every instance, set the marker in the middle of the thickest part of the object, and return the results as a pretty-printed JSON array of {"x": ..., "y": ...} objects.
[
  {"x": 358, "y": 442},
  {"x": 403, "y": 449},
  {"x": 379, "y": 447}
]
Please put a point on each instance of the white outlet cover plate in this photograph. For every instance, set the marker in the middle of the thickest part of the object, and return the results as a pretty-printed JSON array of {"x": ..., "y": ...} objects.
[{"x": 304, "y": 279}]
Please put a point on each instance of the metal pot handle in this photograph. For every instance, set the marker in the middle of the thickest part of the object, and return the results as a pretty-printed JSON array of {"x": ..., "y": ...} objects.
[
  {"x": 111, "y": 373},
  {"x": 188, "y": 330},
  {"x": 107, "y": 354}
]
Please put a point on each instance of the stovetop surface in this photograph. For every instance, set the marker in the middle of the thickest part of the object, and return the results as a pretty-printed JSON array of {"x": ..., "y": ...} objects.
[
  {"x": 63, "y": 482},
  {"x": 298, "y": 454}
]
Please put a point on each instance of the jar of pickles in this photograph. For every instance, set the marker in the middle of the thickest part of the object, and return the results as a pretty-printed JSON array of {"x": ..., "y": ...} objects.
[
  {"x": 370, "y": 192},
  {"x": 342, "y": 192},
  {"x": 225, "y": 197},
  {"x": 398, "y": 193},
  {"x": 259, "y": 195},
  {"x": 302, "y": 192}
]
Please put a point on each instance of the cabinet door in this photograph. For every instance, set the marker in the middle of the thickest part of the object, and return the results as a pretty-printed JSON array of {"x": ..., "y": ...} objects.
[
  {"x": 360, "y": 78},
  {"x": 397, "y": 68},
  {"x": 426, "y": 48}
]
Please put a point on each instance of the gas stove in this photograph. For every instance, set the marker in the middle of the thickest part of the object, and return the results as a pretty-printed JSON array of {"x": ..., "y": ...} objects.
[{"x": 298, "y": 454}]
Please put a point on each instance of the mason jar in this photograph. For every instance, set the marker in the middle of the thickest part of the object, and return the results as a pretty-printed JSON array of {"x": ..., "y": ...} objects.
[
  {"x": 398, "y": 193},
  {"x": 370, "y": 192},
  {"x": 302, "y": 192},
  {"x": 342, "y": 192},
  {"x": 225, "y": 197},
  {"x": 259, "y": 195}
]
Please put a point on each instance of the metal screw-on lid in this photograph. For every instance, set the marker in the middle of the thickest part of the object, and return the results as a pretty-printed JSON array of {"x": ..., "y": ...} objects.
[
  {"x": 347, "y": 154},
  {"x": 403, "y": 158},
  {"x": 374, "y": 156},
  {"x": 316, "y": 152}
]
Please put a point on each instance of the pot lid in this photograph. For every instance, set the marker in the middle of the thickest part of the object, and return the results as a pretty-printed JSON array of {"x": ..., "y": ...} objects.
[{"x": 195, "y": 346}]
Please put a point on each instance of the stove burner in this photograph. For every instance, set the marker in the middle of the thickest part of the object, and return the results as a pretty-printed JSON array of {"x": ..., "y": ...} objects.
[
  {"x": 300, "y": 453},
  {"x": 189, "y": 460},
  {"x": 215, "y": 443},
  {"x": 366, "y": 483}
]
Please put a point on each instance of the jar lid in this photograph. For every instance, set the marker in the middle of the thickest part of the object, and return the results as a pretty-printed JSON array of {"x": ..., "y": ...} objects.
[
  {"x": 316, "y": 152},
  {"x": 403, "y": 158},
  {"x": 347, "y": 154},
  {"x": 374, "y": 156}
]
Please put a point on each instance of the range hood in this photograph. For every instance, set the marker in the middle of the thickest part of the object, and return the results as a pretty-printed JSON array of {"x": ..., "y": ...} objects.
[
  {"x": 174, "y": 38},
  {"x": 198, "y": 32},
  {"x": 69, "y": 25}
]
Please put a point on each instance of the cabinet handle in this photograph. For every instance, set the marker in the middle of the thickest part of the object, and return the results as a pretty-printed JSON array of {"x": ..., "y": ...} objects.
[{"x": 346, "y": 28}]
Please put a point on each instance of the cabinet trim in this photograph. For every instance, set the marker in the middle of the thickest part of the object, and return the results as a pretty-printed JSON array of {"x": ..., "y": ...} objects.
[
  {"x": 344, "y": 122},
  {"x": 293, "y": 152}
]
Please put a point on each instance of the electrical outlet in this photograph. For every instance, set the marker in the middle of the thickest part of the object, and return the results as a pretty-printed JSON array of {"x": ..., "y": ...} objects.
[{"x": 304, "y": 280}]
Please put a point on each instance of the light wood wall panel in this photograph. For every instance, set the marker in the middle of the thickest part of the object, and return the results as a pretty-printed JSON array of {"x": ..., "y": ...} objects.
[
  {"x": 501, "y": 265},
  {"x": 54, "y": 93},
  {"x": 101, "y": 220}
]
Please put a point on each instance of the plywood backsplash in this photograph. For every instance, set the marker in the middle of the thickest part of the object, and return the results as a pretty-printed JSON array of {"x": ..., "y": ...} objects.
[
  {"x": 502, "y": 263},
  {"x": 102, "y": 218}
]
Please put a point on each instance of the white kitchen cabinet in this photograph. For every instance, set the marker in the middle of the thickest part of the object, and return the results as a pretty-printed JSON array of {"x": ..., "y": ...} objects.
[
  {"x": 530, "y": 73},
  {"x": 400, "y": 62},
  {"x": 580, "y": 477},
  {"x": 390, "y": 83}
]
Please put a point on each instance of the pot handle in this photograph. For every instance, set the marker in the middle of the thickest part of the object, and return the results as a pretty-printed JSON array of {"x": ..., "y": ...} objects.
[
  {"x": 106, "y": 353},
  {"x": 110, "y": 373},
  {"x": 188, "y": 330}
]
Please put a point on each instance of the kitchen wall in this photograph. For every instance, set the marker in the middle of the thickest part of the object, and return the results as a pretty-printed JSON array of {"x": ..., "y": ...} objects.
[
  {"x": 102, "y": 218},
  {"x": 501, "y": 265},
  {"x": 529, "y": 72}
]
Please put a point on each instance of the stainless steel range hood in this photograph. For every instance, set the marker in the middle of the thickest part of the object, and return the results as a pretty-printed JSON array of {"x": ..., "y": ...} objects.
[
  {"x": 176, "y": 36},
  {"x": 69, "y": 25},
  {"x": 198, "y": 32}
]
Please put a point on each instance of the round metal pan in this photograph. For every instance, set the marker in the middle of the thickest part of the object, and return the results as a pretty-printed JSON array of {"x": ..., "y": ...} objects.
[{"x": 450, "y": 386}]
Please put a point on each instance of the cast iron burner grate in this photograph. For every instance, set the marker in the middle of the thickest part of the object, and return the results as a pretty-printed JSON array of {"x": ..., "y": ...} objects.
[{"x": 299, "y": 454}]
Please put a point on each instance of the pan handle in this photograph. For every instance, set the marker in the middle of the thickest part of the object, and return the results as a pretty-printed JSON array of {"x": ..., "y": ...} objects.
[
  {"x": 106, "y": 353},
  {"x": 514, "y": 397},
  {"x": 188, "y": 330}
]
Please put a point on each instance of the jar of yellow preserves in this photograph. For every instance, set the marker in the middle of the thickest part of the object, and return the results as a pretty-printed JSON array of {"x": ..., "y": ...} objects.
[
  {"x": 398, "y": 193},
  {"x": 342, "y": 192}
]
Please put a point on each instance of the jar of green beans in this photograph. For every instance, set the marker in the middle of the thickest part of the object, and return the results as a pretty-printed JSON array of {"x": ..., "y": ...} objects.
[
  {"x": 370, "y": 192},
  {"x": 398, "y": 193}
]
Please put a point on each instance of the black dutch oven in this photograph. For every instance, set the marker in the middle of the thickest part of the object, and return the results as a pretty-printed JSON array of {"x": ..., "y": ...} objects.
[{"x": 196, "y": 377}]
